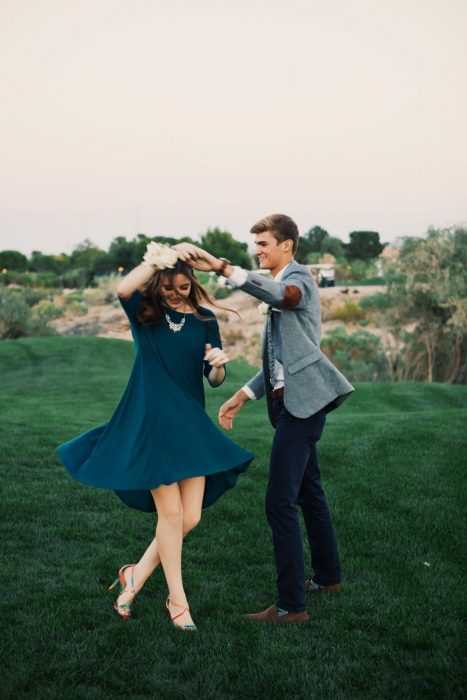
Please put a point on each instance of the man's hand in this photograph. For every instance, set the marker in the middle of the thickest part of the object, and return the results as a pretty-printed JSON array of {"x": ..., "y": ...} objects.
[
  {"x": 230, "y": 408},
  {"x": 196, "y": 257}
]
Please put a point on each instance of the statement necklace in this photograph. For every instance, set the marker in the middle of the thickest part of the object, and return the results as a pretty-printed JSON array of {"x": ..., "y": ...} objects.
[{"x": 175, "y": 327}]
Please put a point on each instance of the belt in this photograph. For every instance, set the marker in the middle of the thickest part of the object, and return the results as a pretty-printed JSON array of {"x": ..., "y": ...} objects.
[{"x": 277, "y": 393}]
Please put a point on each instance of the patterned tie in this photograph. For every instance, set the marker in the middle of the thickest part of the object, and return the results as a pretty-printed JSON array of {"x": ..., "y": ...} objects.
[{"x": 270, "y": 349}]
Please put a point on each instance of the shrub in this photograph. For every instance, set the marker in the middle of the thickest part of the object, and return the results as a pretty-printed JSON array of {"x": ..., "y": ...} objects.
[
  {"x": 77, "y": 307},
  {"x": 108, "y": 287},
  {"x": 14, "y": 314},
  {"x": 78, "y": 277},
  {"x": 47, "y": 309},
  {"x": 104, "y": 293},
  {"x": 89, "y": 328},
  {"x": 34, "y": 296},
  {"x": 231, "y": 336},
  {"x": 203, "y": 277},
  {"x": 349, "y": 312},
  {"x": 73, "y": 297},
  {"x": 360, "y": 355},
  {"x": 370, "y": 281},
  {"x": 375, "y": 302},
  {"x": 95, "y": 297},
  {"x": 363, "y": 272},
  {"x": 18, "y": 320},
  {"x": 41, "y": 314},
  {"x": 221, "y": 292},
  {"x": 43, "y": 280}
]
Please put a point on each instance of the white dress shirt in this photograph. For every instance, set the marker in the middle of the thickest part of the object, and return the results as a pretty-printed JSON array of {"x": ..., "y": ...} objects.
[{"x": 237, "y": 278}]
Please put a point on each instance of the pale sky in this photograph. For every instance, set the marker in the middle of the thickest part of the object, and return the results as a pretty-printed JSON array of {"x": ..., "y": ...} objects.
[{"x": 169, "y": 117}]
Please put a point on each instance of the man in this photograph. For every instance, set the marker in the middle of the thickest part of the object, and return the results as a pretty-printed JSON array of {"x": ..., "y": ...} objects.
[{"x": 301, "y": 385}]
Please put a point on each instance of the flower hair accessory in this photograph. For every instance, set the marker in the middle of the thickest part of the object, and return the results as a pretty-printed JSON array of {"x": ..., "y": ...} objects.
[{"x": 160, "y": 256}]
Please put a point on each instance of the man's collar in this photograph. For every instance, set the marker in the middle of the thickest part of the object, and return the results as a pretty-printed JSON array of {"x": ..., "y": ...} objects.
[{"x": 278, "y": 276}]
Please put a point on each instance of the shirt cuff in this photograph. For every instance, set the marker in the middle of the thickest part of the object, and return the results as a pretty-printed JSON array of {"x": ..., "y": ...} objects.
[
  {"x": 238, "y": 276},
  {"x": 248, "y": 392}
]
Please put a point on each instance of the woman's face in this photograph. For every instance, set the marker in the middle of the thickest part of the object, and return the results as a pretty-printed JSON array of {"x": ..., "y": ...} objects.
[{"x": 174, "y": 290}]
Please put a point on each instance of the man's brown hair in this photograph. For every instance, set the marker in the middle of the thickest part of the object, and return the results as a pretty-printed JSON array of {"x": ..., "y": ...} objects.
[{"x": 282, "y": 227}]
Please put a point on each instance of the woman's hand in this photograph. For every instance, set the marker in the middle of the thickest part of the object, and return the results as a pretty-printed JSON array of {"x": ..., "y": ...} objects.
[
  {"x": 215, "y": 356},
  {"x": 196, "y": 257}
]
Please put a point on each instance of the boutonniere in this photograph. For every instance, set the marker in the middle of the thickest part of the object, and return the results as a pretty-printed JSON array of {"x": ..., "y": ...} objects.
[{"x": 264, "y": 308}]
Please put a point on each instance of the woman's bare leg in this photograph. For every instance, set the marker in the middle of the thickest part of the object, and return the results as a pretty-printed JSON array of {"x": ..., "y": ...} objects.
[
  {"x": 191, "y": 493},
  {"x": 169, "y": 536}
]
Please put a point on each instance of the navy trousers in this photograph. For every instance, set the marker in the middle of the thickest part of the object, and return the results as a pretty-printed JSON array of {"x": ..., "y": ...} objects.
[{"x": 295, "y": 479}]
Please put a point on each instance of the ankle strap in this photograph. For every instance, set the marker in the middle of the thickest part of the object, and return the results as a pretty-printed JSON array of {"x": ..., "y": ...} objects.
[
  {"x": 133, "y": 589},
  {"x": 170, "y": 601}
]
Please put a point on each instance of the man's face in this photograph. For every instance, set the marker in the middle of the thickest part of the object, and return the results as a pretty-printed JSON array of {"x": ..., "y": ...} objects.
[{"x": 270, "y": 253}]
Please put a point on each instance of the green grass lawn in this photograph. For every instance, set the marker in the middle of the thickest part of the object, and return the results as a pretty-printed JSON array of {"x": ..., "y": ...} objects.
[{"x": 393, "y": 462}]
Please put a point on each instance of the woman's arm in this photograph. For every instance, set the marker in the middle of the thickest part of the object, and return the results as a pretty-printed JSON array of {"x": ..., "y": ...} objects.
[
  {"x": 136, "y": 279},
  {"x": 216, "y": 376},
  {"x": 217, "y": 358}
]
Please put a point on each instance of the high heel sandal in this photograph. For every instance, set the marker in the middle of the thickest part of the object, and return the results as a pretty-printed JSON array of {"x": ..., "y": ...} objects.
[
  {"x": 123, "y": 610},
  {"x": 185, "y": 628}
]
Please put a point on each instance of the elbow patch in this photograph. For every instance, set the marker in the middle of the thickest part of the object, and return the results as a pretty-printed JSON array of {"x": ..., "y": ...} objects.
[{"x": 292, "y": 296}]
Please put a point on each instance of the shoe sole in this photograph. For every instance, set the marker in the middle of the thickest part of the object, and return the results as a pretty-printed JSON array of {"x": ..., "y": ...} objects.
[
  {"x": 336, "y": 588},
  {"x": 277, "y": 621}
]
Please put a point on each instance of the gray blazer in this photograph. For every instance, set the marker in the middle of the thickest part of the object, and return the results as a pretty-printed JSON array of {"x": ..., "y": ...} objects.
[{"x": 311, "y": 382}]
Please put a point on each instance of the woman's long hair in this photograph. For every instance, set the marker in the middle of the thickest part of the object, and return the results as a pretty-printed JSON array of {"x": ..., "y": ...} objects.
[{"x": 151, "y": 309}]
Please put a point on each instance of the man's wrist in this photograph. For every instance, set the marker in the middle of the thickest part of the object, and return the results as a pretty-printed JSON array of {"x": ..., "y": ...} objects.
[
  {"x": 242, "y": 395},
  {"x": 223, "y": 263},
  {"x": 228, "y": 270}
]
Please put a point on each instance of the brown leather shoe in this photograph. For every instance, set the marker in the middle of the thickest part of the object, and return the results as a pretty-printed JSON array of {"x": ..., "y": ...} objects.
[
  {"x": 272, "y": 614},
  {"x": 313, "y": 587}
]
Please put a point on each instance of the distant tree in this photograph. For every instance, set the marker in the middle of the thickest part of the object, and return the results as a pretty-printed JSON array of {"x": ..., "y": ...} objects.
[
  {"x": 316, "y": 237},
  {"x": 334, "y": 246},
  {"x": 13, "y": 260},
  {"x": 122, "y": 253},
  {"x": 364, "y": 245},
  {"x": 318, "y": 241},
  {"x": 90, "y": 260},
  {"x": 303, "y": 251},
  {"x": 140, "y": 242},
  {"x": 102, "y": 264},
  {"x": 223, "y": 245},
  {"x": 38, "y": 262},
  {"x": 426, "y": 308},
  {"x": 85, "y": 254},
  {"x": 313, "y": 258}
]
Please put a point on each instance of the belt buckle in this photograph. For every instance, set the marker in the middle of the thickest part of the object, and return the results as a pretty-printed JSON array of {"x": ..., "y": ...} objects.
[{"x": 277, "y": 393}]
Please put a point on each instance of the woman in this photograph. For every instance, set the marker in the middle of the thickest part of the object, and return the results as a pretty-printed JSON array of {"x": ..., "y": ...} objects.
[{"x": 160, "y": 451}]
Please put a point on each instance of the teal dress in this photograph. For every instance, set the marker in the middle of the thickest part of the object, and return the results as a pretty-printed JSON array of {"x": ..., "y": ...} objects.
[{"x": 160, "y": 432}]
